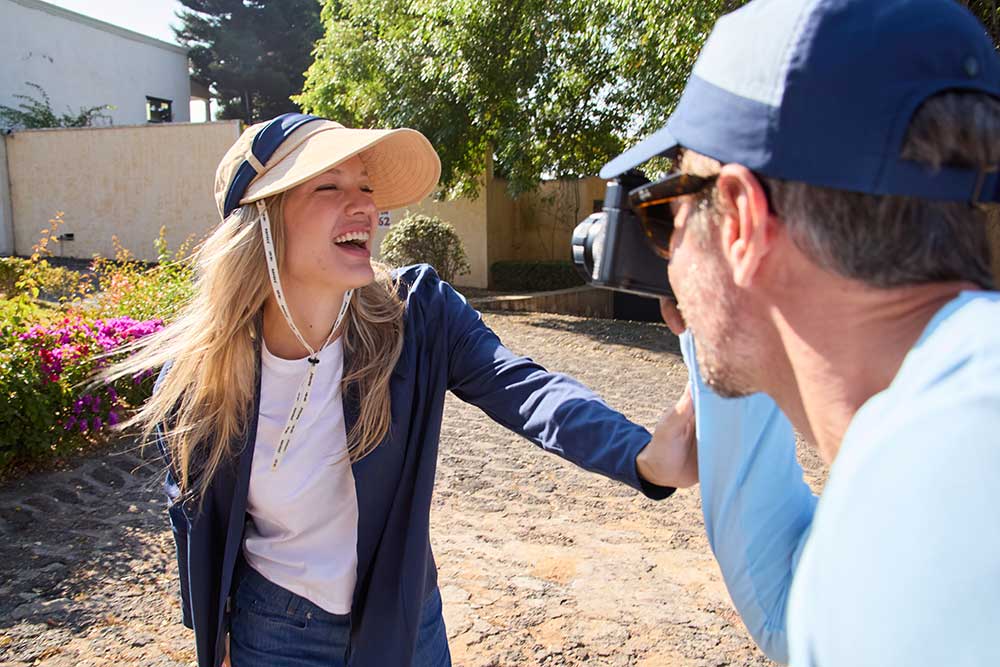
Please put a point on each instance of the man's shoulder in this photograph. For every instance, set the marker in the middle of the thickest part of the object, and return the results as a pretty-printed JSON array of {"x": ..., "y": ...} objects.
[
  {"x": 919, "y": 467},
  {"x": 904, "y": 529},
  {"x": 948, "y": 379},
  {"x": 943, "y": 404},
  {"x": 965, "y": 333}
]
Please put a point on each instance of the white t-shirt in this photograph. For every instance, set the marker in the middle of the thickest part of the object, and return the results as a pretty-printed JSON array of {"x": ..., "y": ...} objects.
[{"x": 303, "y": 534}]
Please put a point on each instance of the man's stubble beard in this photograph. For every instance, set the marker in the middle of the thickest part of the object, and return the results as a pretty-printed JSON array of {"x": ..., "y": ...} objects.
[{"x": 712, "y": 313}]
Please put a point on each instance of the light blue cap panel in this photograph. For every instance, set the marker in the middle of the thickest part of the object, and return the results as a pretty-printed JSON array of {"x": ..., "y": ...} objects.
[
  {"x": 750, "y": 62},
  {"x": 823, "y": 92}
]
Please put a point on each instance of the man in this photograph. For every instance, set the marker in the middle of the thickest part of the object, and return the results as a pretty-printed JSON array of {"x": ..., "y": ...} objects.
[{"x": 829, "y": 250}]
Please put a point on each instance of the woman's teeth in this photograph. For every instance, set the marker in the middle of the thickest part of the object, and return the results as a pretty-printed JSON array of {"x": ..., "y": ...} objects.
[{"x": 359, "y": 239}]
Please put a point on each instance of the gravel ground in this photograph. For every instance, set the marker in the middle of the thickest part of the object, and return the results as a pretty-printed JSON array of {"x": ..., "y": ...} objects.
[{"x": 541, "y": 563}]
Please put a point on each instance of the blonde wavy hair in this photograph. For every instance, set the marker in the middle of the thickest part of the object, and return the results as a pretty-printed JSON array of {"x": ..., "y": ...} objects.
[{"x": 202, "y": 404}]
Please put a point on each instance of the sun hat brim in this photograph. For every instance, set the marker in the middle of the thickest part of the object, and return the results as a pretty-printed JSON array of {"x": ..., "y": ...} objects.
[{"x": 403, "y": 168}]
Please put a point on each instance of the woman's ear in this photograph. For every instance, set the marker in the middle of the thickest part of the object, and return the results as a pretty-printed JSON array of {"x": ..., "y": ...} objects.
[{"x": 747, "y": 224}]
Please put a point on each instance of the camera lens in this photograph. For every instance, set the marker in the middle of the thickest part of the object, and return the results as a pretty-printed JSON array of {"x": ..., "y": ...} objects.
[{"x": 588, "y": 245}]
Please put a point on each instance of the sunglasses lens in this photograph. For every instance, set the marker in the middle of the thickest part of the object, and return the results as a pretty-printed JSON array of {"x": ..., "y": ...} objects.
[{"x": 657, "y": 222}]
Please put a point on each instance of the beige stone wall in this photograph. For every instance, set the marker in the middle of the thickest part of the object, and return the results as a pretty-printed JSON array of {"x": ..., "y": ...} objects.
[
  {"x": 116, "y": 181},
  {"x": 539, "y": 225},
  {"x": 502, "y": 222},
  {"x": 129, "y": 181},
  {"x": 582, "y": 301},
  {"x": 496, "y": 227},
  {"x": 469, "y": 218}
]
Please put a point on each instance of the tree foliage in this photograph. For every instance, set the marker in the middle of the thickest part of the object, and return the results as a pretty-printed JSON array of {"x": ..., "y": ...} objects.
[
  {"x": 988, "y": 13},
  {"x": 252, "y": 53},
  {"x": 36, "y": 113},
  {"x": 545, "y": 87},
  {"x": 550, "y": 87}
]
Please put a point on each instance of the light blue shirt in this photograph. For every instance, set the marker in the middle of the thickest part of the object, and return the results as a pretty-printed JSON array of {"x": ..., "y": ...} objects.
[{"x": 899, "y": 562}]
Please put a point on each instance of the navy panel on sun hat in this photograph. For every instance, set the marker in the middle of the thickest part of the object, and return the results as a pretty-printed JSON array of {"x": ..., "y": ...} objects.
[
  {"x": 823, "y": 91},
  {"x": 277, "y": 155},
  {"x": 264, "y": 144}
]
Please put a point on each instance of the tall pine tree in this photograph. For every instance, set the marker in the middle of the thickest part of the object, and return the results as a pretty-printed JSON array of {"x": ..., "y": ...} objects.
[{"x": 252, "y": 53}]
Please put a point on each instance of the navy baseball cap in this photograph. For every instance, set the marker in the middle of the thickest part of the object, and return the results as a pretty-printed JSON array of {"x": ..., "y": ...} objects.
[{"x": 822, "y": 92}]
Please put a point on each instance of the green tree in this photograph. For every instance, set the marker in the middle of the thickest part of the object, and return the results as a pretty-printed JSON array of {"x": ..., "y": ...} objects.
[
  {"x": 988, "y": 12},
  {"x": 36, "y": 112},
  {"x": 252, "y": 53},
  {"x": 550, "y": 87}
]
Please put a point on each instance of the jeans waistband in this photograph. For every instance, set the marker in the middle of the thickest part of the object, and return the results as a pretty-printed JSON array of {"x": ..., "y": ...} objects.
[{"x": 278, "y": 596}]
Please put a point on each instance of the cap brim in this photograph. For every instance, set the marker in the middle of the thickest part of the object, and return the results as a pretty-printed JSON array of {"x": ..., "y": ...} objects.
[
  {"x": 661, "y": 142},
  {"x": 402, "y": 166}
]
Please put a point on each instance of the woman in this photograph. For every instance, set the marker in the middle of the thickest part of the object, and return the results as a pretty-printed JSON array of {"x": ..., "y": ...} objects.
[{"x": 300, "y": 407}]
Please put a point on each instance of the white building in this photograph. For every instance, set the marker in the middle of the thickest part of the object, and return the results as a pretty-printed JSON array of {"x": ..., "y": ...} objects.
[{"x": 81, "y": 62}]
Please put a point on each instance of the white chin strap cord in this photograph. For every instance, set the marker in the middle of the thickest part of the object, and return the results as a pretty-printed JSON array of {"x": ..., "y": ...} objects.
[{"x": 302, "y": 394}]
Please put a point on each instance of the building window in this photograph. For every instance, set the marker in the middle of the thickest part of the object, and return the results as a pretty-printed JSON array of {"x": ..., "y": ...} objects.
[{"x": 158, "y": 111}]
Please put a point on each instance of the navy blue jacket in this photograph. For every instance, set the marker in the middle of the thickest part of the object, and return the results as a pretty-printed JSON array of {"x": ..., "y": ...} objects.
[{"x": 446, "y": 346}]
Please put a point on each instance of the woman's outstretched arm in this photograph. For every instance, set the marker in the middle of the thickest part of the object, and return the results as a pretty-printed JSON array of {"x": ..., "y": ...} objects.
[{"x": 552, "y": 410}]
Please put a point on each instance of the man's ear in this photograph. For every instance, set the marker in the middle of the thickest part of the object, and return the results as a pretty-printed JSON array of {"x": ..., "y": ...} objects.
[{"x": 747, "y": 225}]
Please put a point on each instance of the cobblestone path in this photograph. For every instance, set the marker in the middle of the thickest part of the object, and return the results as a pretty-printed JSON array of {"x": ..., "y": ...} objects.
[{"x": 541, "y": 563}]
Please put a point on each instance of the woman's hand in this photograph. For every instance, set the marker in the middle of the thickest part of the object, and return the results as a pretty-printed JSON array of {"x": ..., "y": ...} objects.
[
  {"x": 671, "y": 457},
  {"x": 225, "y": 661}
]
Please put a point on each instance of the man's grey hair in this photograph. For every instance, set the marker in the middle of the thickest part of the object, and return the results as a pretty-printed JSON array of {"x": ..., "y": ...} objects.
[{"x": 891, "y": 241}]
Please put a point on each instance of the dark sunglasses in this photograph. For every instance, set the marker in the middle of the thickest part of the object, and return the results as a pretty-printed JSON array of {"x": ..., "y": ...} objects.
[{"x": 651, "y": 203}]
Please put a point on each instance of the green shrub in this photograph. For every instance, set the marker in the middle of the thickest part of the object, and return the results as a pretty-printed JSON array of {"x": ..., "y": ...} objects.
[
  {"x": 35, "y": 278},
  {"x": 57, "y": 283},
  {"x": 49, "y": 404},
  {"x": 541, "y": 276},
  {"x": 17, "y": 315},
  {"x": 12, "y": 270},
  {"x": 130, "y": 288},
  {"x": 424, "y": 238},
  {"x": 48, "y": 354}
]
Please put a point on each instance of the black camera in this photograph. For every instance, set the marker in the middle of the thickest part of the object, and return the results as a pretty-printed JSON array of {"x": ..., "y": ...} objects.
[{"x": 610, "y": 249}]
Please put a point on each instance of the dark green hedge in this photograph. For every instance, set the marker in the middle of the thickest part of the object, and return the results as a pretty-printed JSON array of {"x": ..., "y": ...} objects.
[{"x": 516, "y": 276}]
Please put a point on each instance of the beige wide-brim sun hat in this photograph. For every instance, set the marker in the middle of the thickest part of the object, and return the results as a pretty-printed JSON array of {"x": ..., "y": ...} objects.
[{"x": 402, "y": 166}]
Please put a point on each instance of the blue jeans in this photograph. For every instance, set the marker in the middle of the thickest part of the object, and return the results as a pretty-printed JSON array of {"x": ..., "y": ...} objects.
[{"x": 273, "y": 627}]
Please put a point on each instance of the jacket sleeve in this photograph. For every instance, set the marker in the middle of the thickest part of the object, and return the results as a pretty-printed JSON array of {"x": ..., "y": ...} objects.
[
  {"x": 757, "y": 508},
  {"x": 178, "y": 519},
  {"x": 552, "y": 410}
]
